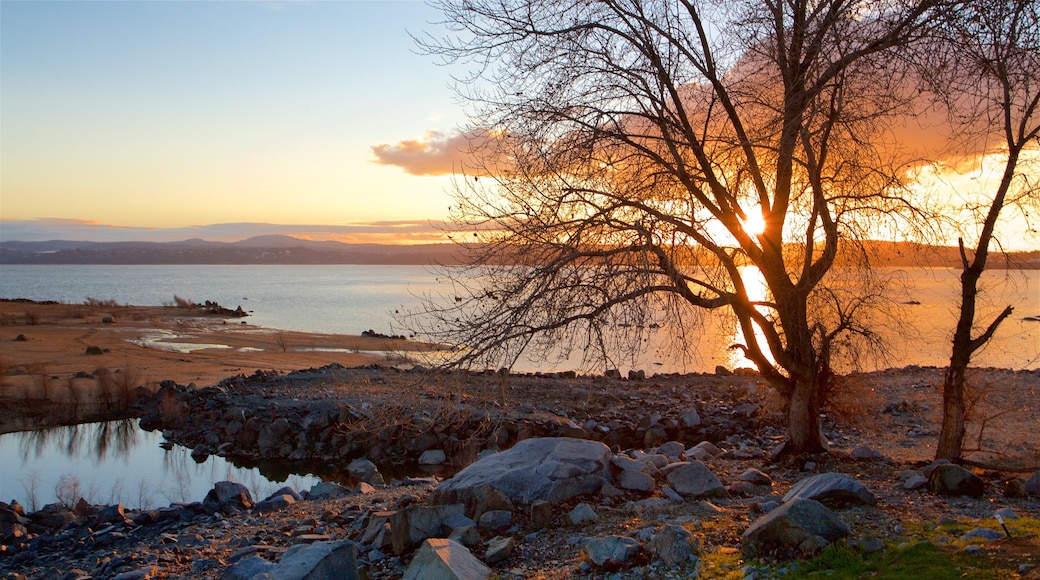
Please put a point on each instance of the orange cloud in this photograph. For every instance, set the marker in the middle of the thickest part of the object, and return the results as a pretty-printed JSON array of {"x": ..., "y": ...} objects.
[{"x": 475, "y": 152}]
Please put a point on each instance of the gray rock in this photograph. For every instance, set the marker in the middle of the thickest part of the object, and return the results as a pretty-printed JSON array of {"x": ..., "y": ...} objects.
[
  {"x": 707, "y": 447},
  {"x": 247, "y": 568},
  {"x": 673, "y": 545},
  {"x": 582, "y": 514},
  {"x": 983, "y": 534},
  {"x": 272, "y": 435},
  {"x": 864, "y": 453},
  {"x": 287, "y": 490},
  {"x": 672, "y": 494},
  {"x": 327, "y": 490},
  {"x": 1033, "y": 484},
  {"x": 626, "y": 463},
  {"x": 695, "y": 480},
  {"x": 952, "y": 479},
  {"x": 318, "y": 561},
  {"x": 364, "y": 470},
  {"x": 915, "y": 482},
  {"x": 499, "y": 549},
  {"x": 228, "y": 494},
  {"x": 788, "y": 526},
  {"x": 832, "y": 489},
  {"x": 433, "y": 457},
  {"x": 672, "y": 449},
  {"x": 553, "y": 469},
  {"x": 610, "y": 550},
  {"x": 870, "y": 544},
  {"x": 496, "y": 520},
  {"x": 494, "y": 501},
  {"x": 755, "y": 477},
  {"x": 413, "y": 524},
  {"x": 112, "y": 514},
  {"x": 541, "y": 514},
  {"x": 690, "y": 418},
  {"x": 441, "y": 559},
  {"x": 636, "y": 481},
  {"x": 274, "y": 503}
]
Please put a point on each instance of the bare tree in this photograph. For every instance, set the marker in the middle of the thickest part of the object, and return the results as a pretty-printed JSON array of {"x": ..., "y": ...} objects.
[
  {"x": 643, "y": 155},
  {"x": 989, "y": 75}
]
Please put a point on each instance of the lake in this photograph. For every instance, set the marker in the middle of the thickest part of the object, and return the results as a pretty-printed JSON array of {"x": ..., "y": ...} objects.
[{"x": 135, "y": 470}]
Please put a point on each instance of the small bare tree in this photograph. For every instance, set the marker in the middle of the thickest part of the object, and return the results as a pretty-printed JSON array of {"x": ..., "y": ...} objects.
[
  {"x": 643, "y": 154},
  {"x": 989, "y": 75}
]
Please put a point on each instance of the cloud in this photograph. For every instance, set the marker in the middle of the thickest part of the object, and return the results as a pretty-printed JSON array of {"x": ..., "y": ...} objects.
[
  {"x": 476, "y": 152},
  {"x": 393, "y": 232}
]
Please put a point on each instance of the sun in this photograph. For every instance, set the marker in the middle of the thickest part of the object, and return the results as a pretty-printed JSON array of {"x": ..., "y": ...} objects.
[{"x": 755, "y": 223}]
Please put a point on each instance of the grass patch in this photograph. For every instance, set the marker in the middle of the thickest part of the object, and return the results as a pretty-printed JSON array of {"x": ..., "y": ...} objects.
[{"x": 925, "y": 559}]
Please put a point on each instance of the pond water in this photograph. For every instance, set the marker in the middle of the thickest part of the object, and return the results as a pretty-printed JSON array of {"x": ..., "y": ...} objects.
[{"x": 117, "y": 462}]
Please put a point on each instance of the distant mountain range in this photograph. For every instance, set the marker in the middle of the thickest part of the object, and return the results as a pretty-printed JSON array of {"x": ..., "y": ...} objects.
[
  {"x": 272, "y": 249},
  {"x": 279, "y": 249}
]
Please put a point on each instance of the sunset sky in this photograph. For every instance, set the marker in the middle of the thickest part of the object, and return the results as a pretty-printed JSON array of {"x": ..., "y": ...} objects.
[
  {"x": 120, "y": 118},
  {"x": 222, "y": 120}
]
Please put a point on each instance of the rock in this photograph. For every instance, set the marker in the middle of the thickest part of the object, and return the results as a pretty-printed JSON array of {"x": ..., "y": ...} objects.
[
  {"x": 636, "y": 481},
  {"x": 694, "y": 479},
  {"x": 689, "y": 418},
  {"x": 755, "y": 477},
  {"x": 318, "y": 561},
  {"x": 673, "y": 545},
  {"x": 495, "y": 520},
  {"x": 327, "y": 490},
  {"x": 864, "y": 453},
  {"x": 672, "y": 450},
  {"x": 1033, "y": 484},
  {"x": 982, "y": 534},
  {"x": 499, "y": 549},
  {"x": 248, "y": 568},
  {"x": 274, "y": 503},
  {"x": 271, "y": 436},
  {"x": 112, "y": 514},
  {"x": 413, "y": 524},
  {"x": 1005, "y": 513},
  {"x": 672, "y": 494},
  {"x": 610, "y": 550},
  {"x": 228, "y": 496},
  {"x": 915, "y": 482},
  {"x": 462, "y": 529},
  {"x": 952, "y": 479},
  {"x": 366, "y": 471},
  {"x": 634, "y": 375},
  {"x": 93, "y": 350},
  {"x": 553, "y": 469},
  {"x": 832, "y": 490},
  {"x": 705, "y": 446},
  {"x": 582, "y": 514},
  {"x": 541, "y": 514},
  {"x": 791, "y": 524},
  {"x": 53, "y": 516},
  {"x": 870, "y": 544},
  {"x": 494, "y": 501},
  {"x": 433, "y": 457},
  {"x": 440, "y": 559}
]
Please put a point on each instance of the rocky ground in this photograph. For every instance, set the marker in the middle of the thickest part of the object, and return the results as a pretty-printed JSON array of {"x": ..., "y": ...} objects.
[{"x": 882, "y": 426}]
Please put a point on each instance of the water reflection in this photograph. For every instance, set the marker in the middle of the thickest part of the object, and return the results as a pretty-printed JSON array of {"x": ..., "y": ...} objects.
[{"x": 116, "y": 462}]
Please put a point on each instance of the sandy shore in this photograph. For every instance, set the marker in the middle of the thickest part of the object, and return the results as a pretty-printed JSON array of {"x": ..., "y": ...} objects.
[{"x": 44, "y": 347}]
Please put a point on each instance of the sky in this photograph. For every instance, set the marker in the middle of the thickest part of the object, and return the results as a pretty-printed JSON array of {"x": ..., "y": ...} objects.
[
  {"x": 157, "y": 120},
  {"x": 168, "y": 120}
]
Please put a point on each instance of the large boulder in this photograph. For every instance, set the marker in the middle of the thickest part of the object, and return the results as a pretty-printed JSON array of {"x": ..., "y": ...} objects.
[
  {"x": 228, "y": 496},
  {"x": 673, "y": 545},
  {"x": 832, "y": 490},
  {"x": 694, "y": 479},
  {"x": 955, "y": 480},
  {"x": 441, "y": 559},
  {"x": 554, "y": 469},
  {"x": 318, "y": 561},
  {"x": 789, "y": 527}
]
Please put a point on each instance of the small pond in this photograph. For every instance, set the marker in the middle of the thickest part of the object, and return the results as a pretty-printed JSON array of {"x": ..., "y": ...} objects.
[{"x": 117, "y": 462}]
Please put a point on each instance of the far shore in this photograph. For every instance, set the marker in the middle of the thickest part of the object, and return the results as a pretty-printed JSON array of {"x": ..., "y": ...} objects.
[{"x": 54, "y": 351}]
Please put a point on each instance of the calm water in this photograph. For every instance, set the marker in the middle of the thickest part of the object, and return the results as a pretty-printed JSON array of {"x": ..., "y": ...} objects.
[
  {"x": 133, "y": 469},
  {"x": 115, "y": 462}
]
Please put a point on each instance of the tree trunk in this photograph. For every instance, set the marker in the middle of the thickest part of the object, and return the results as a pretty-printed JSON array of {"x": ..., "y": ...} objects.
[
  {"x": 951, "y": 436},
  {"x": 803, "y": 418}
]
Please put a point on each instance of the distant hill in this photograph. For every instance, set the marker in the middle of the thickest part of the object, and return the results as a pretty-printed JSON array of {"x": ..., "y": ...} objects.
[
  {"x": 276, "y": 249},
  {"x": 257, "y": 250}
]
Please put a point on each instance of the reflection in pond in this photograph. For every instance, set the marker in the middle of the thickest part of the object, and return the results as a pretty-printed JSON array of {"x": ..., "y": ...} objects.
[{"x": 116, "y": 462}]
